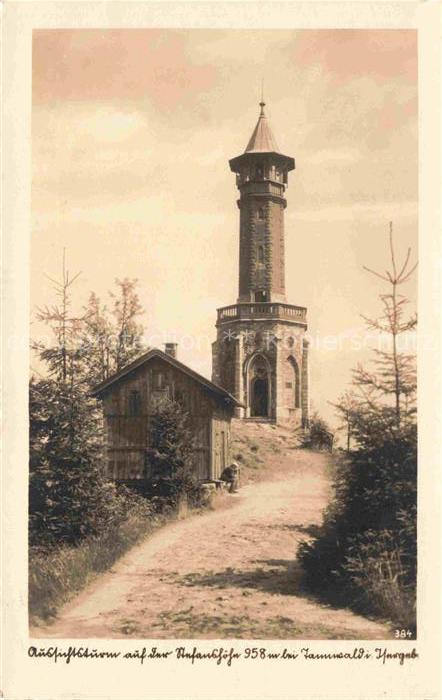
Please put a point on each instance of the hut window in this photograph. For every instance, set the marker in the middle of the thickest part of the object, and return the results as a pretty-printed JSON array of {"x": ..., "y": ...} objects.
[
  {"x": 158, "y": 380},
  {"x": 134, "y": 406}
]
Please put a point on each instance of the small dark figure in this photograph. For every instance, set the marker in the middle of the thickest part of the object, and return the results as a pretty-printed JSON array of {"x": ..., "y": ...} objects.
[{"x": 231, "y": 476}]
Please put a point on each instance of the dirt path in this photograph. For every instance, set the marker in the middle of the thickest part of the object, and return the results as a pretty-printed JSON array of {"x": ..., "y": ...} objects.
[{"x": 229, "y": 573}]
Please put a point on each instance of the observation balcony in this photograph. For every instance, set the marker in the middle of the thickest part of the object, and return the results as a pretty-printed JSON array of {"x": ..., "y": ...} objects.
[{"x": 262, "y": 311}]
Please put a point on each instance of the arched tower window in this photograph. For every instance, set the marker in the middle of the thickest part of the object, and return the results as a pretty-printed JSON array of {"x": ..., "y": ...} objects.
[
  {"x": 260, "y": 255},
  {"x": 259, "y": 171},
  {"x": 261, "y": 213}
]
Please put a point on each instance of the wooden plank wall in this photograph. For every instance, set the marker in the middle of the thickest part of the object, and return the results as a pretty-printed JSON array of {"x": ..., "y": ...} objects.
[{"x": 127, "y": 435}]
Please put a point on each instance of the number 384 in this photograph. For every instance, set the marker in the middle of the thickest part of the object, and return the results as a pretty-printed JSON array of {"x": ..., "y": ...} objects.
[{"x": 402, "y": 634}]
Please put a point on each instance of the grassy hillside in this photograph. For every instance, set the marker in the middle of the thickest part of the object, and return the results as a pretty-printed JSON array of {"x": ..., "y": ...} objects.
[{"x": 255, "y": 446}]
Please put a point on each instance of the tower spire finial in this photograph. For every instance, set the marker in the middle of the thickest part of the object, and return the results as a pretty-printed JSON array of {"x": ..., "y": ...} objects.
[{"x": 262, "y": 104}]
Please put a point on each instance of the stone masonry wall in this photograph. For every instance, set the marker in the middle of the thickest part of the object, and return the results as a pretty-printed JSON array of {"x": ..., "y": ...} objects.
[
  {"x": 305, "y": 381},
  {"x": 269, "y": 233},
  {"x": 275, "y": 237},
  {"x": 282, "y": 345}
]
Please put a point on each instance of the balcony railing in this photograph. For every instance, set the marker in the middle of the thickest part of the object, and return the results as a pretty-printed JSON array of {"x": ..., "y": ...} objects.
[{"x": 244, "y": 312}]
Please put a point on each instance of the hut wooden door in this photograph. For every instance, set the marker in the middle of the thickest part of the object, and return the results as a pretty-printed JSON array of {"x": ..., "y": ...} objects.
[
  {"x": 223, "y": 449},
  {"x": 218, "y": 448},
  {"x": 202, "y": 450}
]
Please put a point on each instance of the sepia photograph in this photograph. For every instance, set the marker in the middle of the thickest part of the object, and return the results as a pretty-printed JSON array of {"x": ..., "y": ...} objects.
[{"x": 223, "y": 325}]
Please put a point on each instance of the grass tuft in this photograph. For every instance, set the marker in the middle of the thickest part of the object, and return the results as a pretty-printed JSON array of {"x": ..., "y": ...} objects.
[{"x": 55, "y": 575}]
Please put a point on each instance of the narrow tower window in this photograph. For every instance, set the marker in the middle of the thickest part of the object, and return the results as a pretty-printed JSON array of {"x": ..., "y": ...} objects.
[
  {"x": 260, "y": 213},
  {"x": 261, "y": 295},
  {"x": 260, "y": 254}
]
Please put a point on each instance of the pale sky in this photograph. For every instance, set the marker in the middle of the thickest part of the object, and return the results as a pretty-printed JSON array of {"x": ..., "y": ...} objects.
[{"x": 132, "y": 133}]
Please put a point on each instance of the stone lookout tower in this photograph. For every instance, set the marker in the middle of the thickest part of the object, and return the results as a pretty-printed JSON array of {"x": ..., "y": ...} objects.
[{"x": 261, "y": 354}]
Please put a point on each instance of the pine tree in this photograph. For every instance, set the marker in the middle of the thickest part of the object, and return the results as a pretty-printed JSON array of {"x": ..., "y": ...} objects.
[
  {"x": 382, "y": 402},
  {"x": 171, "y": 449},
  {"x": 346, "y": 408},
  {"x": 68, "y": 494},
  {"x": 69, "y": 497},
  {"x": 63, "y": 357},
  {"x": 390, "y": 390},
  {"x": 365, "y": 553}
]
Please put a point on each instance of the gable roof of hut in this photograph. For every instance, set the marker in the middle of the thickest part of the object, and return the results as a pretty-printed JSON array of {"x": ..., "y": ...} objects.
[{"x": 218, "y": 391}]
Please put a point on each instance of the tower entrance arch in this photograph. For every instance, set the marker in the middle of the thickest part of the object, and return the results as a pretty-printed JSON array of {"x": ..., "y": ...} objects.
[
  {"x": 259, "y": 402},
  {"x": 259, "y": 387}
]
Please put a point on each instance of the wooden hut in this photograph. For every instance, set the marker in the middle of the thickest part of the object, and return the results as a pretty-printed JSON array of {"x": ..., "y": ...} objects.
[{"x": 131, "y": 396}]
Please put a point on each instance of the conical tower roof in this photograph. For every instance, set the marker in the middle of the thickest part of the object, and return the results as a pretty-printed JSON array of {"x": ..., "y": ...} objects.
[{"x": 262, "y": 139}]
